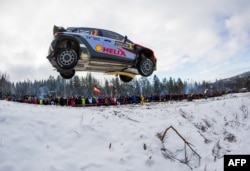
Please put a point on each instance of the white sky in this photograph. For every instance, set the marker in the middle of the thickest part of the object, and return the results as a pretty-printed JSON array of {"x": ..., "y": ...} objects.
[{"x": 192, "y": 39}]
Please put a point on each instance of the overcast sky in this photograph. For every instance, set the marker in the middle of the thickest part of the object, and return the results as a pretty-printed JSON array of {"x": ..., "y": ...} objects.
[{"x": 192, "y": 39}]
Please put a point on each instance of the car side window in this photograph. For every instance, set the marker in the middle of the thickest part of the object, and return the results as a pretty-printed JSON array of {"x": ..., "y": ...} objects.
[
  {"x": 94, "y": 32},
  {"x": 112, "y": 35},
  {"x": 84, "y": 31}
]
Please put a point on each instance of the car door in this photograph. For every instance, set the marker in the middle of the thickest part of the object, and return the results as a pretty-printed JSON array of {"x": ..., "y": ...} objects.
[
  {"x": 115, "y": 49},
  {"x": 96, "y": 43},
  {"x": 104, "y": 48}
]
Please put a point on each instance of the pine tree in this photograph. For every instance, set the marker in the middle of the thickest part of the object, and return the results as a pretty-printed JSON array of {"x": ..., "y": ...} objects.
[
  {"x": 180, "y": 86},
  {"x": 157, "y": 85},
  {"x": 146, "y": 86},
  {"x": 107, "y": 88},
  {"x": 170, "y": 86}
]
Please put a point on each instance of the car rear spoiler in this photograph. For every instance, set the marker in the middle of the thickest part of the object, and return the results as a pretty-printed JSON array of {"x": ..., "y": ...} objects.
[{"x": 58, "y": 29}]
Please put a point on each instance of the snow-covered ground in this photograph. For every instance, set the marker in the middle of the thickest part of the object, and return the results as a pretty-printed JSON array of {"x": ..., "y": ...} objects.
[{"x": 124, "y": 138}]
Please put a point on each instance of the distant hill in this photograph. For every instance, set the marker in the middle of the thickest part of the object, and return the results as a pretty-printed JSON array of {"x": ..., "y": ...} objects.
[
  {"x": 237, "y": 83},
  {"x": 244, "y": 76}
]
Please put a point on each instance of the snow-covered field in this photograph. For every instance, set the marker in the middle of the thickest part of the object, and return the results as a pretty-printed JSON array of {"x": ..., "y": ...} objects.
[{"x": 124, "y": 138}]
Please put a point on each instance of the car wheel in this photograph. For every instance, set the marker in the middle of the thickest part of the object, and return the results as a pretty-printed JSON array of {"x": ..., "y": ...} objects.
[
  {"x": 125, "y": 79},
  {"x": 145, "y": 67},
  {"x": 68, "y": 74},
  {"x": 67, "y": 58}
]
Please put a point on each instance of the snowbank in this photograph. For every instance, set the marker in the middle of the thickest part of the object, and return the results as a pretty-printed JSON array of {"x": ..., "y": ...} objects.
[{"x": 124, "y": 138}]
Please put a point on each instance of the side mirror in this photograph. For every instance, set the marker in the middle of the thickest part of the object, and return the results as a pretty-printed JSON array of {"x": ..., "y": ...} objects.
[{"x": 125, "y": 39}]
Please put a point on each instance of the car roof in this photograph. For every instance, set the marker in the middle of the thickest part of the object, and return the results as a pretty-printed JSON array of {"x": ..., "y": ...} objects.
[{"x": 102, "y": 32}]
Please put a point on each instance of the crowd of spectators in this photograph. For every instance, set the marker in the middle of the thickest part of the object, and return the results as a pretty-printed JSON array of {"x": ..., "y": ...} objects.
[{"x": 78, "y": 101}]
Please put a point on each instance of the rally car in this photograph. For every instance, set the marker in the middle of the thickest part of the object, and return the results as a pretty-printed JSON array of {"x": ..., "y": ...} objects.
[{"x": 92, "y": 49}]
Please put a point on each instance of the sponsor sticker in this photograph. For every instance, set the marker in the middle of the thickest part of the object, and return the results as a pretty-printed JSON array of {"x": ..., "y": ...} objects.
[
  {"x": 112, "y": 51},
  {"x": 124, "y": 45},
  {"x": 98, "y": 48},
  {"x": 93, "y": 38}
]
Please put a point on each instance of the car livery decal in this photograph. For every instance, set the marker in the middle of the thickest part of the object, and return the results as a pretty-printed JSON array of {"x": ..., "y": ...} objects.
[
  {"x": 93, "y": 38},
  {"x": 111, "y": 51}
]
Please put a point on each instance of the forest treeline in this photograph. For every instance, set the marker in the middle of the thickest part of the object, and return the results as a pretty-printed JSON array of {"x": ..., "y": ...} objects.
[{"x": 83, "y": 86}]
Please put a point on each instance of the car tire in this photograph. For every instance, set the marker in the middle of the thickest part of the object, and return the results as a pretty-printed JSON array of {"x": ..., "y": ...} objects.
[
  {"x": 125, "y": 79},
  {"x": 68, "y": 74},
  {"x": 67, "y": 58},
  {"x": 145, "y": 67}
]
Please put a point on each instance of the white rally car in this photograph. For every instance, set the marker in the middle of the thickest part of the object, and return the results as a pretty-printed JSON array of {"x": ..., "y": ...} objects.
[{"x": 92, "y": 49}]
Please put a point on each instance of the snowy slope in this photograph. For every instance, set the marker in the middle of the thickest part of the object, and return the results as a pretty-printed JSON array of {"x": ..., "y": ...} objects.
[{"x": 124, "y": 138}]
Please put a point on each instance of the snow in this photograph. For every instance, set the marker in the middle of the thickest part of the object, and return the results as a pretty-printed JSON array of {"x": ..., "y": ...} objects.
[{"x": 126, "y": 137}]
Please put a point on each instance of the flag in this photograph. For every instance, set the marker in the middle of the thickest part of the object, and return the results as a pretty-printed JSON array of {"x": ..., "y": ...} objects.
[{"x": 96, "y": 90}]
